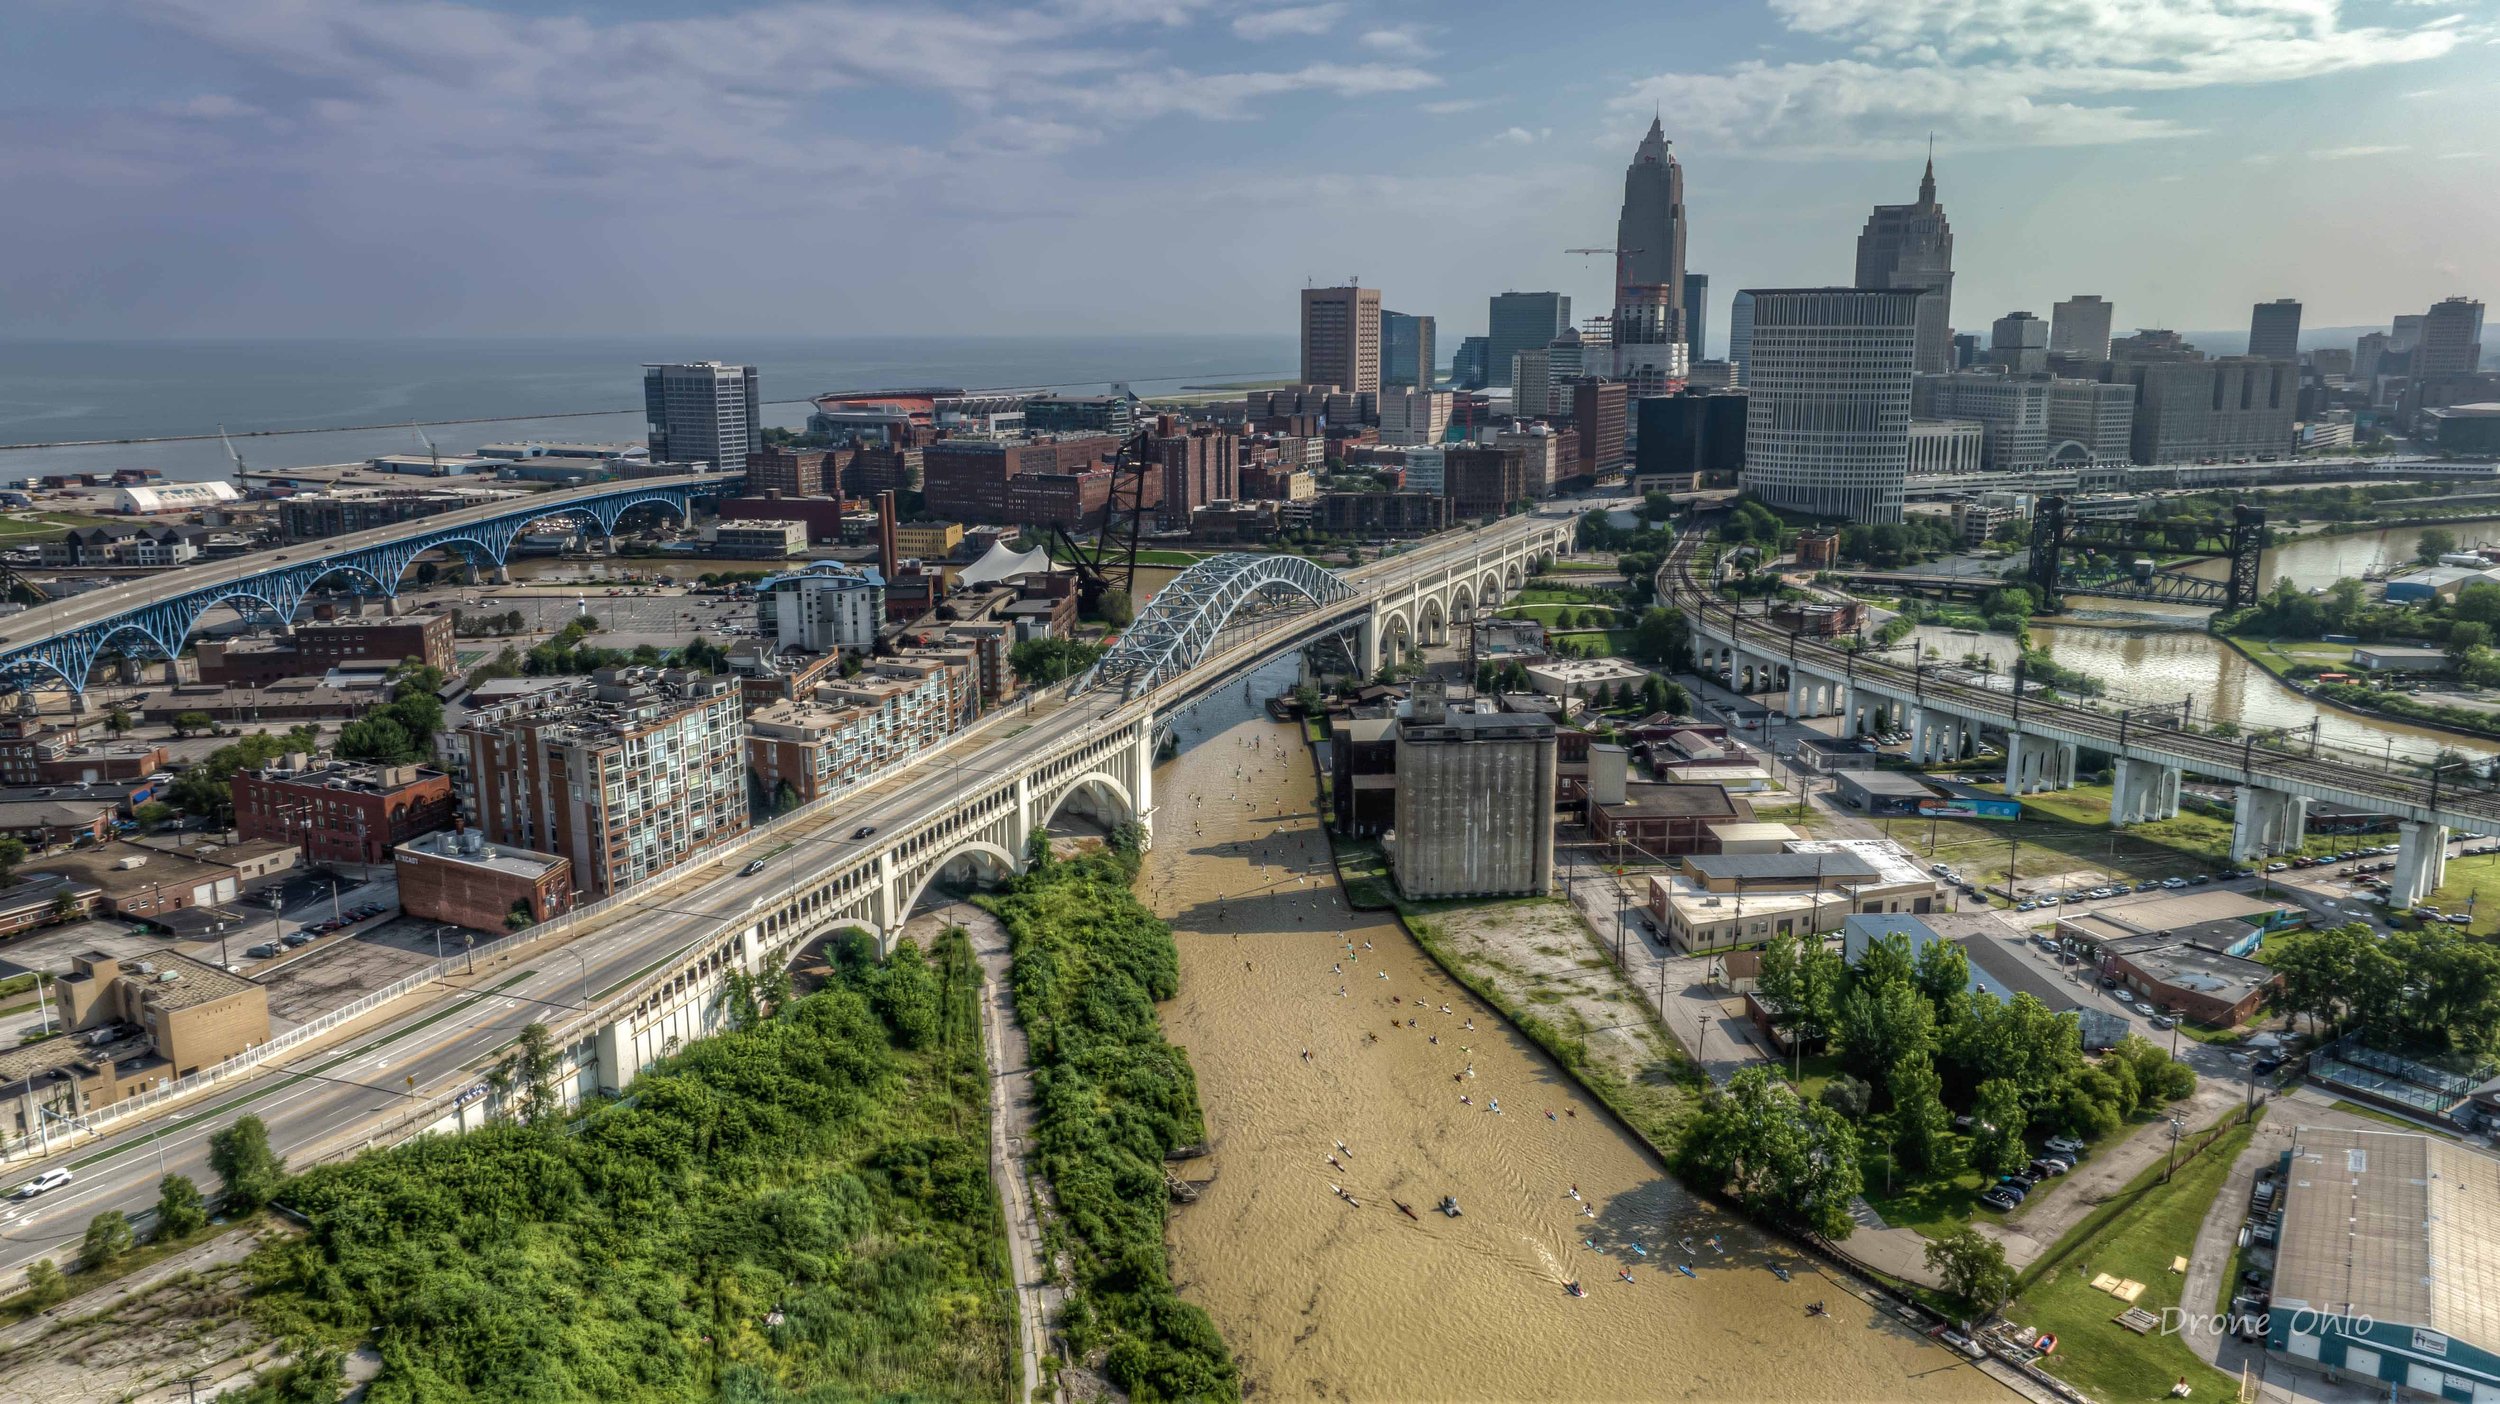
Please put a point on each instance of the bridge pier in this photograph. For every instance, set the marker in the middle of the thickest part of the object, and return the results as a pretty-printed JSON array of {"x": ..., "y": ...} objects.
[
  {"x": 2421, "y": 863},
  {"x": 2035, "y": 763},
  {"x": 2266, "y": 822},
  {"x": 2144, "y": 791}
]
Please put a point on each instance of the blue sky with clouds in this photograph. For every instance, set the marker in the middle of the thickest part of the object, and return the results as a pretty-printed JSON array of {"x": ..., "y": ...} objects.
[{"x": 356, "y": 167}]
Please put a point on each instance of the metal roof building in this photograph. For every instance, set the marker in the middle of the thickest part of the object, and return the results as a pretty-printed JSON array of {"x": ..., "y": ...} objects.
[{"x": 2388, "y": 1264}]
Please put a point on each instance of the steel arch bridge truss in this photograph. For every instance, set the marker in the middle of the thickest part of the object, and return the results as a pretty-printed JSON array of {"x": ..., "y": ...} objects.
[
  {"x": 1186, "y": 617},
  {"x": 160, "y": 628}
]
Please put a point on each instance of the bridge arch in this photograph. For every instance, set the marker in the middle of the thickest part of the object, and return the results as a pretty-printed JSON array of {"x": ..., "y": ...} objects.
[
  {"x": 1434, "y": 623},
  {"x": 1462, "y": 601},
  {"x": 347, "y": 567},
  {"x": 1095, "y": 785},
  {"x": 990, "y": 859},
  {"x": 1185, "y": 617},
  {"x": 1397, "y": 635}
]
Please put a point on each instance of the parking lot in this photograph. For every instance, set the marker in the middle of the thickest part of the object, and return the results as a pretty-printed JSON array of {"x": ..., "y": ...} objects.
[{"x": 343, "y": 969}]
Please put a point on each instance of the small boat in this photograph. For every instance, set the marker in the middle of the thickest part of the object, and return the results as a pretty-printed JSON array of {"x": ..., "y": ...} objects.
[
  {"x": 1685, "y": 1243},
  {"x": 1685, "y": 1268},
  {"x": 1574, "y": 1289},
  {"x": 1643, "y": 1252},
  {"x": 1449, "y": 1205},
  {"x": 1404, "y": 1209},
  {"x": 1626, "y": 1274},
  {"x": 1589, "y": 1243},
  {"x": 1779, "y": 1272}
]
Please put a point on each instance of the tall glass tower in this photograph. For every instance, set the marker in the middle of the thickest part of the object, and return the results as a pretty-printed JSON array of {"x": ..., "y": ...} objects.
[{"x": 1649, "y": 239}]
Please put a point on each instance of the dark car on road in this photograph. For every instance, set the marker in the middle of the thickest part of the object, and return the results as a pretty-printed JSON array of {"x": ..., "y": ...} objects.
[{"x": 863, "y": 831}]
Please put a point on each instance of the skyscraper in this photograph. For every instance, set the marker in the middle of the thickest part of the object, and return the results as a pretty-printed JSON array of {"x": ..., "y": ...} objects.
[
  {"x": 2452, "y": 337},
  {"x": 1649, "y": 234},
  {"x": 1911, "y": 246},
  {"x": 1519, "y": 322},
  {"x": 702, "y": 412},
  {"x": 1341, "y": 338},
  {"x": 2274, "y": 329},
  {"x": 1827, "y": 422},
  {"x": 1406, "y": 352},
  {"x": 2079, "y": 326},
  {"x": 1740, "y": 334},
  {"x": 1697, "y": 315},
  {"x": 2019, "y": 341},
  {"x": 1470, "y": 364}
]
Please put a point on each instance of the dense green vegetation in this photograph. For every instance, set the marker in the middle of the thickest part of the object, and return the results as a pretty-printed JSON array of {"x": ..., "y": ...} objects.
[
  {"x": 1041, "y": 662},
  {"x": 1113, "y": 1098},
  {"x": 206, "y": 789},
  {"x": 2434, "y": 990},
  {"x": 798, "y": 1208},
  {"x": 402, "y": 729}
]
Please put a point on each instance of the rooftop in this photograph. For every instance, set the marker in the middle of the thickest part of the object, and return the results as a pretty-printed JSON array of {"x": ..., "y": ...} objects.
[
  {"x": 469, "y": 849},
  {"x": 359, "y": 776},
  {"x": 1761, "y": 867},
  {"x": 1886, "y": 782},
  {"x": 1673, "y": 801},
  {"x": 2401, "y": 1227},
  {"x": 176, "y": 981},
  {"x": 1892, "y": 863}
]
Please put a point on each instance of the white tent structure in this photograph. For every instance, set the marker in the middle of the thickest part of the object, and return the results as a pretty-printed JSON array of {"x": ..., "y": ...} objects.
[{"x": 1003, "y": 564}]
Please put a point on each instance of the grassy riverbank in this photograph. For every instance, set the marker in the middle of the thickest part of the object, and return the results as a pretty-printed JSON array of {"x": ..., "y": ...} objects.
[
  {"x": 1113, "y": 1099},
  {"x": 797, "y": 1208}
]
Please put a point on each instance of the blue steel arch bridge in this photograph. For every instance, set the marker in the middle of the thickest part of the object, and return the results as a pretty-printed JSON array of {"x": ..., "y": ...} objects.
[{"x": 155, "y": 616}]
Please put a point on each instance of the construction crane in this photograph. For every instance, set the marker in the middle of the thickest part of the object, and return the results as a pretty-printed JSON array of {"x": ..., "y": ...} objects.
[
  {"x": 433, "y": 455},
  {"x": 1620, "y": 256},
  {"x": 236, "y": 456},
  {"x": 1096, "y": 570}
]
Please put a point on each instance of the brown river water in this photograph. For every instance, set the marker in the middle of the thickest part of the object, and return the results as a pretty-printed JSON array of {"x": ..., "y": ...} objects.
[{"x": 1320, "y": 1297}]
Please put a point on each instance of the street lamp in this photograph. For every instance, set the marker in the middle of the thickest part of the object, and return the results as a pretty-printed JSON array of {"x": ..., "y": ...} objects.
[{"x": 2176, "y": 1126}]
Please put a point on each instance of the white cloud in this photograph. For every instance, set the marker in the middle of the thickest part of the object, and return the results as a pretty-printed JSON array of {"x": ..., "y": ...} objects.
[
  {"x": 1515, "y": 136},
  {"x": 1289, "y": 20},
  {"x": 1230, "y": 95},
  {"x": 2015, "y": 72},
  {"x": 1404, "y": 41},
  {"x": 2461, "y": 155},
  {"x": 1446, "y": 107},
  {"x": 2342, "y": 153},
  {"x": 213, "y": 107}
]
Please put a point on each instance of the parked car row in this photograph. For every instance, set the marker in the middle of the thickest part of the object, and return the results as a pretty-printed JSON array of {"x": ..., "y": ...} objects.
[
  {"x": 2058, "y": 1155},
  {"x": 306, "y": 935}
]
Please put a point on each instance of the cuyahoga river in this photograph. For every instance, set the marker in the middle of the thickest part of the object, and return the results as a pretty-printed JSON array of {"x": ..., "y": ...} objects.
[{"x": 1320, "y": 1297}]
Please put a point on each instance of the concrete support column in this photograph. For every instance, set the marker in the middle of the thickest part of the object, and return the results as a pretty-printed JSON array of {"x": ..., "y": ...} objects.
[
  {"x": 2018, "y": 760},
  {"x": 2421, "y": 863},
  {"x": 1918, "y": 735},
  {"x": 2253, "y": 822},
  {"x": 2145, "y": 791},
  {"x": 1796, "y": 698},
  {"x": 2167, "y": 807},
  {"x": 2066, "y": 766},
  {"x": 2295, "y": 830}
]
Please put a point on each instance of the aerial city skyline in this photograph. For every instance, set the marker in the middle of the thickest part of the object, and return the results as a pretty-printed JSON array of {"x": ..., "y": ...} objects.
[{"x": 244, "y": 166}]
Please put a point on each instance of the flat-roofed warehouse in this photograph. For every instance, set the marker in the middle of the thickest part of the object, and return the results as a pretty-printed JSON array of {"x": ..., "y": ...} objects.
[{"x": 2387, "y": 1264}]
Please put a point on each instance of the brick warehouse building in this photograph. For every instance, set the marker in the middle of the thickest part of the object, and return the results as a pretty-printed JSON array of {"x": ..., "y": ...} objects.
[
  {"x": 456, "y": 876},
  {"x": 971, "y": 478},
  {"x": 341, "y": 811},
  {"x": 318, "y": 647}
]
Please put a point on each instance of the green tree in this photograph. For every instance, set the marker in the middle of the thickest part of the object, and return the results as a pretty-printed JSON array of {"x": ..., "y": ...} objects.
[
  {"x": 1663, "y": 637},
  {"x": 1886, "y": 961},
  {"x": 1881, "y": 1025},
  {"x": 117, "y": 721},
  {"x": 1801, "y": 981},
  {"x": 108, "y": 1238},
  {"x": 44, "y": 1283},
  {"x": 180, "y": 1211},
  {"x": 153, "y": 815},
  {"x": 1783, "y": 1158},
  {"x": 1943, "y": 974},
  {"x": 188, "y": 723},
  {"x": 1921, "y": 1127},
  {"x": 1997, "y": 1126},
  {"x": 2433, "y": 543},
  {"x": 65, "y": 906},
  {"x": 1115, "y": 609},
  {"x": 12, "y": 853},
  {"x": 2467, "y": 637},
  {"x": 1041, "y": 662},
  {"x": 533, "y": 1064},
  {"x": 905, "y": 994},
  {"x": 378, "y": 739},
  {"x": 1847, "y": 1096},
  {"x": 248, "y": 1172},
  {"x": 1972, "y": 1267}
]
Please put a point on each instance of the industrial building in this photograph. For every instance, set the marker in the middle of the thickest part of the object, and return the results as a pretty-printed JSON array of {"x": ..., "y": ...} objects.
[
  {"x": 1475, "y": 801},
  {"x": 1880, "y": 794},
  {"x": 133, "y": 1026},
  {"x": 316, "y": 647},
  {"x": 456, "y": 876},
  {"x": 2387, "y": 1264}
]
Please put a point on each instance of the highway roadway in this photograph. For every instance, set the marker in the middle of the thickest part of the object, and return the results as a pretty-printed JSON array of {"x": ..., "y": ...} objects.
[
  {"x": 64, "y": 616},
  {"x": 316, "y": 1103}
]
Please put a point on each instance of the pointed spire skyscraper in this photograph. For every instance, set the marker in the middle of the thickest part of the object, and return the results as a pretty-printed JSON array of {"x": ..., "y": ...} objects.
[
  {"x": 1649, "y": 244},
  {"x": 1911, "y": 246}
]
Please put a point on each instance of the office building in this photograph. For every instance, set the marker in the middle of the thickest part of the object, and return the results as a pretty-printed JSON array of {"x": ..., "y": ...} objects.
[
  {"x": 760, "y": 538},
  {"x": 1689, "y": 437},
  {"x": 789, "y": 472},
  {"x": 702, "y": 412},
  {"x": 1696, "y": 317},
  {"x": 1374, "y": 514},
  {"x": 1649, "y": 236},
  {"x": 1947, "y": 446},
  {"x": 1407, "y": 352},
  {"x": 842, "y": 733},
  {"x": 2451, "y": 339},
  {"x": 2274, "y": 329},
  {"x": 1532, "y": 382},
  {"x": 1080, "y": 414},
  {"x": 2019, "y": 342},
  {"x": 2404, "y": 333},
  {"x": 1967, "y": 351},
  {"x": 1828, "y": 406},
  {"x": 194, "y": 1015},
  {"x": 1550, "y": 456},
  {"x": 2013, "y": 409},
  {"x": 1522, "y": 321},
  {"x": 1911, "y": 246},
  {"x": 1200, "y": 463},
  {"x": 1414, "y": 416},
  {"x": 1484, "y": 480},
  {"x": 346, "y": 812},
  {"x": 1599, "y": 417},
  {"x": 2383, "y": 1261},
  {"x": 2228, "y": 407},
  {"x": 2367, "y": 352},
  {"x": 1471, "y": 363},
  {"x": 1740, "y": 334},
  {"x": 1341, "y": 338},
  {"x": 969, "y": 478},
  {"x": 626, "y": 773},
  {"x": 827, "y": 608},
  {"x": 1475, "y": 801},
  {"x": 2095, "y": 418},
  {"x": 457, "y": 877},
  {"x": 2079, "y": 327},
  {"x": 1426, "y": 469}
]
